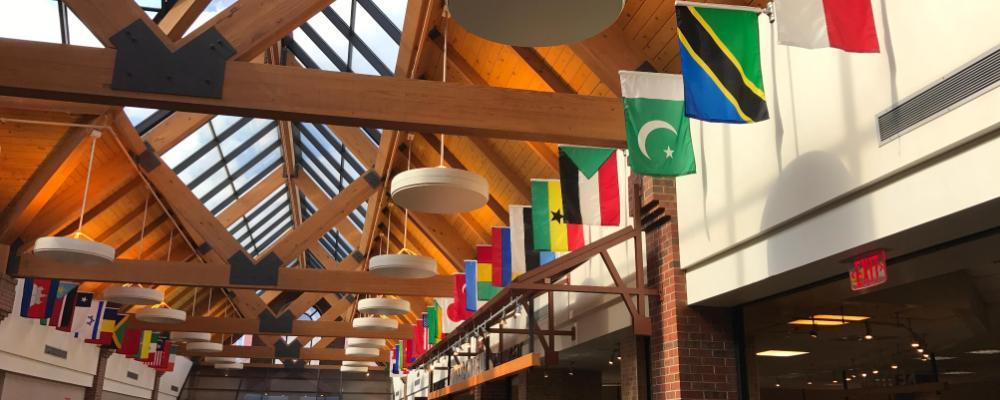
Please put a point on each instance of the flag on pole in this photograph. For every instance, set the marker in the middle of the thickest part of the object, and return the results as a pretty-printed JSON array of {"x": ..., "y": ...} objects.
[
  {"x": 720, "y": 61},
  {"x": 656, "y": 129},
  {"x": 397, "y": 355},
  {"x": 588, "y": 178},
  {"x": 546, "y": 257},
  {"x": 848, "y": 25},
  {"x": 471, "y": 283},
  {"x": 433, "y": 323},
  {"x": 106, "y": 328},
  {"x": 484, "y": 273},
  {"x": 501, "y": 256},
  {"x": 523, "y": 257},
  {"x": 37, "y": 299},
  {"x": 62, "y": 309},
  {"x": 146, "y": 341},
  {"x": 456, "y": 310},
  {"x": 548, "y": 219},
  {"x": 87, "y": 316}
]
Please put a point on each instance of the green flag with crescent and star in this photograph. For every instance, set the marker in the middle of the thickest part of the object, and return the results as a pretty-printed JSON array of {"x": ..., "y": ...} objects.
[{"x": 657, "y": 131}]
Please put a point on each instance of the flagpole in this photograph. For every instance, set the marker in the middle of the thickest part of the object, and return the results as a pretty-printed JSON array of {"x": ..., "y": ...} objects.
[{"x": 682, "y": 3}]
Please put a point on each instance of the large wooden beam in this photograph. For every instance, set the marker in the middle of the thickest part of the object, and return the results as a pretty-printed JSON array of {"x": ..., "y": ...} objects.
[
  {"x": 607, "y": 53},
  {"x": 252, "y": 326},
  {"x": 217, "y": 275},
  {"x": 181, "y": 16},
  {"x": 104, "y": 18},
  {"x": 322, "y": 354},
  {"x": 251, "y": 198},
  {"x": 84, "y": 74}
]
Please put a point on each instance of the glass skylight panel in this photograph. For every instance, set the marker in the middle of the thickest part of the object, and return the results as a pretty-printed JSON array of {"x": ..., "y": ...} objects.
[
  {"x": 395, "y": 10},
  {"x": 138, "y": 114},
  {"x": 312, "y": 52},
  {"x": 205, "y": 182},
  {"x": 377, "y": 39},
  {"x": 187, "y": 146},
  {"x": 257, "y": 168},
  {"x": 30, "y": 20},
  {"x": 79, "y": 34},
  {"x": 329, "y": 34},
  {"x": 225, "y": 195}
]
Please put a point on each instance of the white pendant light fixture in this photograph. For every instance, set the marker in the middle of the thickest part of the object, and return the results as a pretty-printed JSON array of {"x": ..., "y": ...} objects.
[
  {"x": 347, "y": 368},
  {"x": 228, "y": 366},
  {"x": 439, "y": 190},
  {"x": 202, "y": 341},
  {"x": 220, "y": 360},
  {"x": 383, "y": 306},
  {"x": 133, "y": 295},
  {"x": 361, "y": 351},
  {"x": 366, "y": 364},
  {"x": 188, "y": 337},
  {"x": 203, "y": 347},
  {"x": 77, "y": 249},
  {"x": 161, "y": 315},
  {"x": 534, "y": 23},
  {"x": 375, "y": 324},
  {"x": 403, "y": 265},
  {"x": 372, "y": 343}
]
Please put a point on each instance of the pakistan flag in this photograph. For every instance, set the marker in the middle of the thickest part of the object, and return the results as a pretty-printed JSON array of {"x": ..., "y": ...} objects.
[{"x": 658, "y": 133}]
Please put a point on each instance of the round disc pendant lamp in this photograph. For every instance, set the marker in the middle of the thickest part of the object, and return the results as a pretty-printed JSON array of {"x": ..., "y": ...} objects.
[
  {"x": 77, "y": 249},
  {"x": 383, "y": 306},
  {"x": 161, "y": 315},
  {"x": 220, "y": 360},
  {"x": 348, "y": 368},
  {"x": 534, "y": 23},
  {"x": 365, "y": 364},
  {"x": 375, "y": 324},
  {"x": 133, "y": 295},
  {"x": 228, "y": 366},
  {"x": 362, "y": 351},
  {"x": 188, "y": 337},
  {"x": 403, "y": 265},
  {"x": 204, "y": 347},
  {"x": 372, "y": 343}
]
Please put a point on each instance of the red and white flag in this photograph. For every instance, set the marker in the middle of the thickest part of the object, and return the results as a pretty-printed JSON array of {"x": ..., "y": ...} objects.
[{"x": 844, "y": 24}]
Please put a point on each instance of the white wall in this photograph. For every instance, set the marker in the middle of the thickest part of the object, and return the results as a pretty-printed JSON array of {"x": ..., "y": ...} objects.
[
  {"x": 16, "y": 386},
  {"x": 772, "y": 196}
]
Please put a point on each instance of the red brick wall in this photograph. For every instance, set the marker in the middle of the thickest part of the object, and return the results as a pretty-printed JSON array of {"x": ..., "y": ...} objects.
[
  {"x": 692, "y": 353},
  {"x": 7, "y": 288}
]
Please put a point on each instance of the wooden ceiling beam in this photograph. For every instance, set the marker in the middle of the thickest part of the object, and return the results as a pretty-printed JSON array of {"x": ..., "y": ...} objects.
[
  {"x": 63, "y": 158},
  {"x": 607, "y": 53},
  {"x": 542, "y": 68},
  {"x": 316, "y": 195},
  {"x": 67, "y": 111},
  {"x": 252, "y": 326},
  {"x": 251, "y": 198},
  {"x": 84, "y": 74},
  {"x": 216, "y": 274},
  {"x": 313, "y": 353},
  {"x": 181, "y": 16},
  {"x": 105, "y": 18},
  {"x": 173, "y": 129}
]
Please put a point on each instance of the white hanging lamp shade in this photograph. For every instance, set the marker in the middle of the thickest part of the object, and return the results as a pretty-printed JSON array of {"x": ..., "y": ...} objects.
[
  {"x": 534, "y": 23},
  {"x": 406, "y": 266},
  {"x": 375, "y": 324},
  {"x": 228, "y": 366},
  {"x": 383, "y": 306},
  {"x": 203, "y": 347},
  {"x": 161, "y": 315},
  {"x": 439, "y": 190},
  {"x": 73, "y": 250},
  {"x": 189, "y": 337},
  {"x": 372, "y": 343},
  {"x": 133, "y": 295},
  {"x": 220, "y": 360},
  {"x": 366, "y": 364},
  {"x": 361, "y": 352},
  {"x": 347, "y": 368}
]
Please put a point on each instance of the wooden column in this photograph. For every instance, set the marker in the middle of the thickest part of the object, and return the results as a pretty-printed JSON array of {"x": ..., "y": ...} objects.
[
  {"x": 96, "y": 389},
  {"x": 156, "y": 386}
]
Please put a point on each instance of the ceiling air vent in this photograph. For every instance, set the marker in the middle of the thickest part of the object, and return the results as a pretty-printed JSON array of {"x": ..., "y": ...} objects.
[{"x": 966, "y": 83}]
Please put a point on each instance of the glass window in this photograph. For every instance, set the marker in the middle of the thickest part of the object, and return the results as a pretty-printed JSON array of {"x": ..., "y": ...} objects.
[
  {"x": 375, "y": 37},
  {"x": 31, "y": 20},
  {"x": 196, "y": 140},
  {"x": 79, "y": 35},
  {"x": 394, "y": 9},
  {"x": 313, "y": 51}
]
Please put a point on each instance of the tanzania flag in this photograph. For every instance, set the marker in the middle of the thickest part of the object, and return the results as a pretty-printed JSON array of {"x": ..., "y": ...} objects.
[
  {"x": 501, "y": 256},
  {"x": 471, "y": 283},
  {"x": 551, "y": 232},
  {"x": 656, "y": 129},
  {"x": 523, "y": 257},
  {"x": 484, "y": 273},
  {"x": 720, "y": 61},
  {"x": 37, "y": 297},
  {"x": 589, "y": 179}
]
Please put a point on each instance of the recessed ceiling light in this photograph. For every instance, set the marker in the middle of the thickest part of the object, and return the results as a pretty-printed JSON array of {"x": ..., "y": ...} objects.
[
  {"x": 781, "y": 353},
  {"x": 985, "y": 352},
  {"x": 958, "y": 373}
]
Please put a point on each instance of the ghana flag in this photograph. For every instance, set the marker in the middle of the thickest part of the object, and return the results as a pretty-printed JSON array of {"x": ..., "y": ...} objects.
[
  {"x": 720, "y": 62},
  {"x": 549, "y": 227}
]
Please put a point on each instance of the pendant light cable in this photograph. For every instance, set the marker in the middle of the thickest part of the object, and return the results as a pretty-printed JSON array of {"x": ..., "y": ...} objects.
[
  {"x": 406, "y": 212},
  {"x": 94, "y": 135},
  {"x": 142, "y": 230},
  {"x": 446, "y": 15}
]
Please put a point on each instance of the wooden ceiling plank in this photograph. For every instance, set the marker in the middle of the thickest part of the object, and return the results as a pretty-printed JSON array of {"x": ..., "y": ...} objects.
[
  {"x": 542, "y": 68},
  {"x": 181, "y": 16},
  {"x": 43, "y": 183},
  {"x": 105, "y": 18},
  {"x": 216, "y": 274},
  {"x": 173, "y": 129},
  {"x": 607, "y": 53},
  {"x": 316, "y": 195},
  {"x": 251, "y": 198},
  {"x": 84, "y": 74}
]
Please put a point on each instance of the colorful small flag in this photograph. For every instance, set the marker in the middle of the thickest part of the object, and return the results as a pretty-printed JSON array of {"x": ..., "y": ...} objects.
[
  {"x": 456, "y": 310},
  {"x": 37, "y": 299},
  {"x": 87, "y": 316},
  {"x": 146, "y": 341},
  {"x": 397, "y": 355},
  {"x": 433, "y": 323},
  {"x": 843, "y": 24},
  {"x": 546, "y": 257},
  {"x": 589, "y": 179},
  {"x": 501, "y": 256},
  {"x": 106, "y": 330},
  {"x": 62, "y": 308},
  {"x": 551, "y": 232},
  {"x": 484, "y": 273},
  {"x": 656, "y": 130},
  {"x": 523, "y": 257},
  {"x": 720, "y": 62},
  {"x": 471, "y": 284}
]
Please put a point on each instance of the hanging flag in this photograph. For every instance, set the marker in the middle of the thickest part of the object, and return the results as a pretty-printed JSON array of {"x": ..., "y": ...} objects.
[
  {"x": 501, "y": 256},
  {"x": 551, "y": 232},
  {"x": 484, "y": 273},
  {"x": 62, "y": 308},
  {"x": 843, "y": 24},
  {"x": 145, "y": 343},
  {"x": 720, "y": 61},
  {"x": 588, "y": 178},
  {"x": 434, "y": 322},
  {"x": 523, "y": 257},
  {"x": 37, "y": 299},
  {"x": 471, "y": 283},
  {"x": 87, "y": 316},
  {"x": 456, "y": 310},
  {"x": 397, "y": 355},
  {"x": 656, "y": 129},
  {"x": 105, "y": 335},
  {"x": 546, "y": 257}
]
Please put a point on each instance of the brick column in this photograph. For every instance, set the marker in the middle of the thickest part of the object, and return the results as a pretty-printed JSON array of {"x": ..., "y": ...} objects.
[
  {"x": 156, "y": 385},
  {"x": 96, "y": 390},
  {"x": 634, "y": 379},
  {"x": 692, "y": 352},
  {"x": 8, "y": 285}
]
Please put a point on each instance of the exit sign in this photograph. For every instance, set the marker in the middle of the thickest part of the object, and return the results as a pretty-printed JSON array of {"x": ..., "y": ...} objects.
[{"x": 868, "y": 270}]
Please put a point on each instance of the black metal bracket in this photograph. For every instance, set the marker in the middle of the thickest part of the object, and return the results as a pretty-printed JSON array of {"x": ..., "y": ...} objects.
[
  {"x": 243, "y": 271},
  {"x": 289, "y": 364},
  {"x": 271, "y": 323},
  {"x": 358, "y": 256},
  {"x": 147, "y": 159},
  {"x": 204, "y": 248},
  {"x": 143, "y": 63},
  {"x": 372, "y": 178},
  {"x": 284, "y": 350},
  {"x": 14, "y": 258}
]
